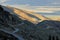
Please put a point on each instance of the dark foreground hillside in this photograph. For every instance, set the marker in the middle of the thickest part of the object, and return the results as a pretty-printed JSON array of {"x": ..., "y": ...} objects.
[{"x": 14, "y": 28}]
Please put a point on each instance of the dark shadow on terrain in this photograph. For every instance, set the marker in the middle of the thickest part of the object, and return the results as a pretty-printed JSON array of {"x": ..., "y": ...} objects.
[
  {"x": 53, "y": 37},
  {"x": 28, "y": 30},
  {"x": 49, "y": 23},
  {"x": 7, "y": 22},
  {"x": 6, "y": 36}
]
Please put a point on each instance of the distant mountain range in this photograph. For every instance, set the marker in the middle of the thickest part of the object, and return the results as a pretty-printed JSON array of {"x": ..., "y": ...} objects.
[{"x": 17, "y": 24}]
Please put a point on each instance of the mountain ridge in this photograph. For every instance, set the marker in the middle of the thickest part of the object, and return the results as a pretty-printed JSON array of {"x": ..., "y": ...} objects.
[{"x": 12, "y": 24}]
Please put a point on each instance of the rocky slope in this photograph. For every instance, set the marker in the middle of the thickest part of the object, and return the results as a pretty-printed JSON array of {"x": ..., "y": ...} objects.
[
  {"x": 17, "y": 24},
  {"x": 23, "y": 14}
]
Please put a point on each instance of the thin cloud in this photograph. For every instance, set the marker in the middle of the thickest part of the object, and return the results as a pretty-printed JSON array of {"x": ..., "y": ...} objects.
[
  {"x": 44, "y": 9},
  {"x": 3, "y": 1},
  {"x": 56, "y": 3}
]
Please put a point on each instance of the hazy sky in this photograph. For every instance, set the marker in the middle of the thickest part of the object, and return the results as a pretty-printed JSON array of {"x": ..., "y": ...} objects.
[
  {"x": 33, "y": 2},
  {"x": 44, "y": 6}
]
